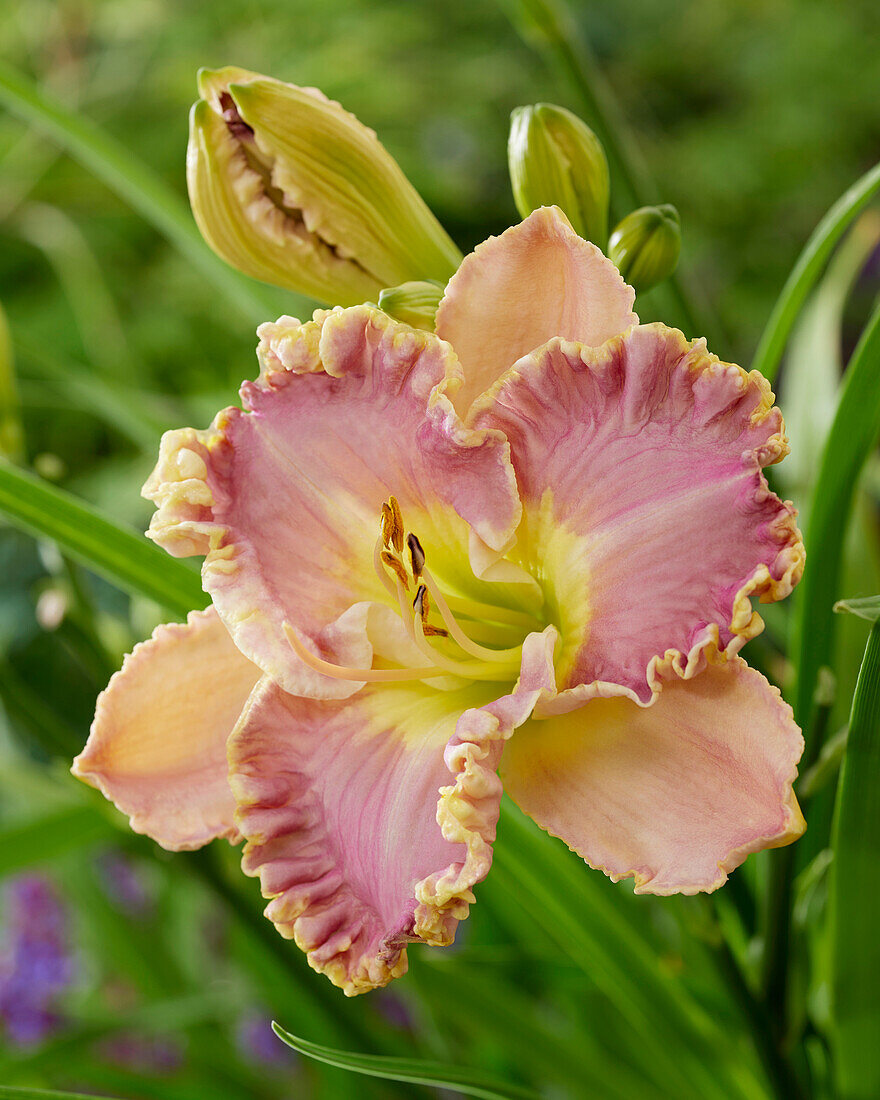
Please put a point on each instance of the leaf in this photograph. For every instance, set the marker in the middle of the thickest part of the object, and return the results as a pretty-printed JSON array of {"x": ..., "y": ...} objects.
[
  {"x": 49, "y": 836},
  {"x": 851, "y": 439},
  {"x": 855, "y": 893},
  {"x": 468, "y": 1082},
  {"x": 676, "y": 1034},
  {"x": 11, "y": 435},
  {"x": 136, "y": 184},
  {"x": 808, "y": 268},
  {"x": 122, "y": 556},
  {"x": 808, "y": 390},
  {"x": 866, "y": 607},
  {"x": 15, "y": 1092}
]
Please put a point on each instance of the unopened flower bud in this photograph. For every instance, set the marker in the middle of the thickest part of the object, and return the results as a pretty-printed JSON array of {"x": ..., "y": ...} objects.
[
  {"x": 645, "y": 246},
  {"x": 414, "y": 303},
  {"x": 290, "y": 188},
  {"x": 555, "y": 159}
]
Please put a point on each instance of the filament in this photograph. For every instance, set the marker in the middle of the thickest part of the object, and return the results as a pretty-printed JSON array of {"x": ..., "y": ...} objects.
[
  {"x": 475, "y": 650},
  {"x": 342, "y": 672}
]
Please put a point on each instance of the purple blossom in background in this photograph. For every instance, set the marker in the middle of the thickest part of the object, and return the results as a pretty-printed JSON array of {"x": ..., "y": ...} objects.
[
  {"x": 35, "y": 963},
  {"x": 124, "y": 883}
]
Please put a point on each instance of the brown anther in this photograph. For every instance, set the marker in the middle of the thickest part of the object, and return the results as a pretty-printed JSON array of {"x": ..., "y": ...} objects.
[
  {"x": 396, "y": 565},
  {"x": 422, "y": 606},
  {"x": 416, "y": 555},
  {"x": 386, "y": 525},
  {"x": 397, "y": 524}
]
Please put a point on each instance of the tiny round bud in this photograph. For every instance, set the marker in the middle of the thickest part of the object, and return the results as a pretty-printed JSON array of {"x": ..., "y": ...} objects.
[
  {"x": 555, "y": 159},
  {"x": 645, "y": 245}
]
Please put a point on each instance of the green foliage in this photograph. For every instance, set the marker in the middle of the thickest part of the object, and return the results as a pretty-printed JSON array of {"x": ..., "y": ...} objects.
[
  {"x": 467, "y": 1082},
  {"x": 123, "y": 324},
  {"x": 119, "y": 555},
  {"x": 855, "y": 883}
]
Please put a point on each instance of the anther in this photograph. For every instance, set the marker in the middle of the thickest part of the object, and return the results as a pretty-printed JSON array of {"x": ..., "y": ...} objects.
[
  {"x": 422, "y": 607},
  {"x": 396, "y": 532},
  {"x": 416, "y": 555},
  {"x": 394, "y": 563},
  {"x": 386, "y": 525}
]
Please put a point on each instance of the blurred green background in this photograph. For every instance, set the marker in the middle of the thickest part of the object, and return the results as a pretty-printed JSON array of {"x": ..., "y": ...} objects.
[{"x": 159, "y": 975}]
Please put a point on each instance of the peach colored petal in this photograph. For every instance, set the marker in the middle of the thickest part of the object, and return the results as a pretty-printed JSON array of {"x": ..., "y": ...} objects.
[
  {"x": 674, "y": 795},
  {"x": 339, "y": 801},
  {"x": 284, "y": 499},
  {"x": 646, "y": 514},
  {"x": 537, "y": 280},
  {"x": 157, "y": 746}
]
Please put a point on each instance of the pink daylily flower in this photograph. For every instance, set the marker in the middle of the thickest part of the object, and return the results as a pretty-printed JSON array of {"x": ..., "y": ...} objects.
[{"x": 572, "y": 522}]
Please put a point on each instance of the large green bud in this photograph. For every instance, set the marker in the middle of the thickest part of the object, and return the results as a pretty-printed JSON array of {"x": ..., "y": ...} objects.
[
  {"x": 645, "y": 246},
  {"x": 555, "y": 159},
  {"x": 288, "y": 187}
]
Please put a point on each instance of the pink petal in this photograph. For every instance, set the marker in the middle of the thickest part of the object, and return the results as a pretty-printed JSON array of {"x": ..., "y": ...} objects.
[
  {"x": 645, "y": 509},
  {"x": 340, "y": 801},
  {"x": 538, "y": 280},
  {"x": 157, "y": 746},
  {"x": 284, "y": 499},
  {"x": 675, "y": 795}
]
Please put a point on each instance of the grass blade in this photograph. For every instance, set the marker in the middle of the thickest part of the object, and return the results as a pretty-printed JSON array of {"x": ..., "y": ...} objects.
[
  {"x": 808, "y": 268},
  {"x": 136, "y": 184},
  {"x": 852, "y": 437},
  {"x": 11, "y": 434},
  {"x": 468, "y": 1082},
  {"x": 675, "y": 1032},
  {"x": 120, "y": 555},
  {"x": 14, "y": 1092},
  {"x": 855, "y": 893}
]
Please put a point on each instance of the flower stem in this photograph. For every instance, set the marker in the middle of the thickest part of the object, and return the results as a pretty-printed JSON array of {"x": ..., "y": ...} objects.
[{"x": 548, "y": 27}]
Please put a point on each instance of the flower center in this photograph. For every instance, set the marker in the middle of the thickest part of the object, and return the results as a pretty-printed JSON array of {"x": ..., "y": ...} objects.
[{"x": 448, "y": 649}]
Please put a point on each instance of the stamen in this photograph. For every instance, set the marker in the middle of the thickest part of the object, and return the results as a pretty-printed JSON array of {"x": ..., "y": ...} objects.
[
  {"x": 470, "y": 670},
  {"x": 457, "y": 633},
  {"x": 422, "y": 604},
  {"x": 416, "y": 554},
  {"x": 379, "y": 566},
  {"x": 396, "y": 565},
  {"x": 342, "y": 672},
  {"x": 386, "y": 525},
  {"x": 396, "y": 532}
]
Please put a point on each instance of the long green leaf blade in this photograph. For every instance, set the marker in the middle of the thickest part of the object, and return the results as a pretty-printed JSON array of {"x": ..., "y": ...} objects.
[
  {"x": 853, "y": 434},
  {"x": 15, "y": 1092},
  {"x": 674, "y": 1030},
  {"x": 469, "y": 1082},
  {"x": 136, "y": 184},
  {"x": 855, "y": 890},
  {"x": 118, "y": 554},
  {"x": 808, "y": 268}
]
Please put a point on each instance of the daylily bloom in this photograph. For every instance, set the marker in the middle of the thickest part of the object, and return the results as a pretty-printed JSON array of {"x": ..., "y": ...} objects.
[{"x": 527, "y": 543}]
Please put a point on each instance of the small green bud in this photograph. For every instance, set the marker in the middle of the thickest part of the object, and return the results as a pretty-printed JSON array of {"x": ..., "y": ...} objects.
[
  {"x": 645, "y": 246},
  {"x": 288, "y": 187},
  {"x": 414, "y": 303},
  {"x": 555, "y": 159}
]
